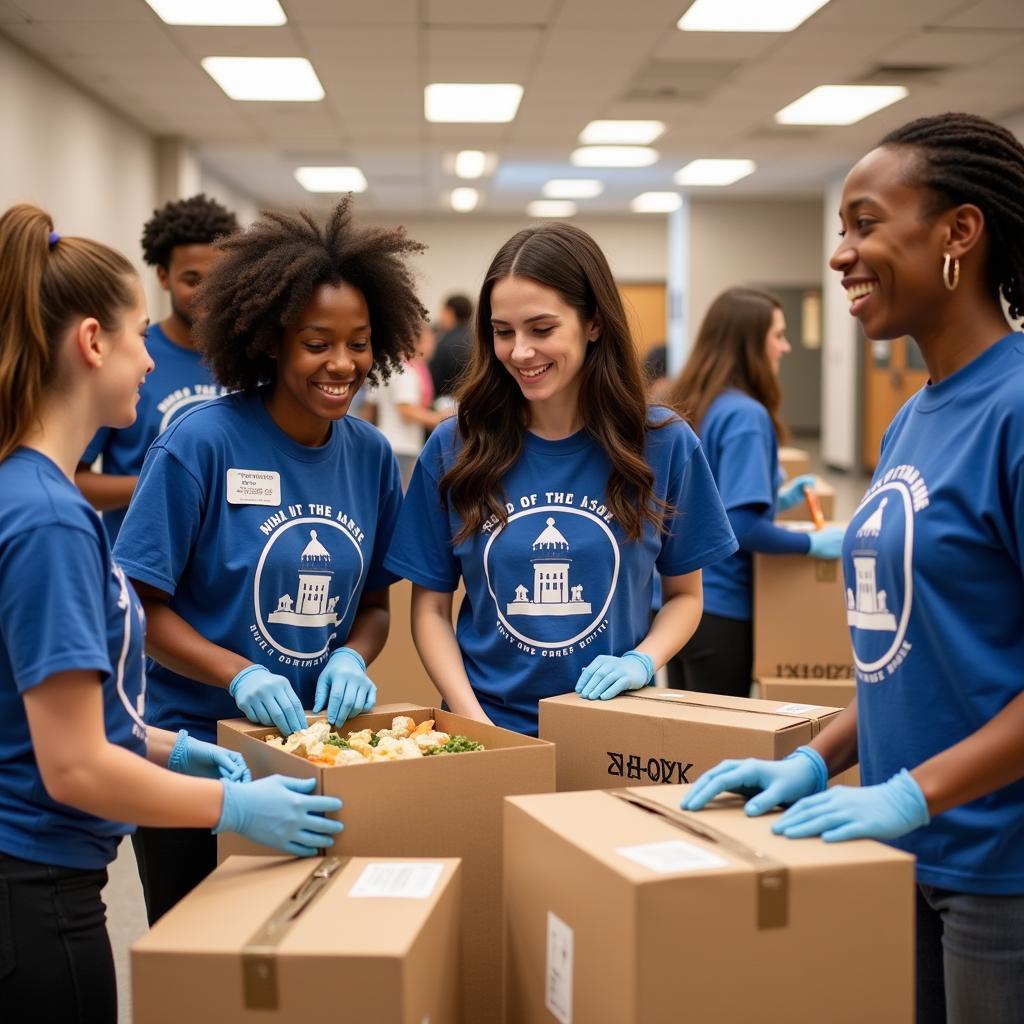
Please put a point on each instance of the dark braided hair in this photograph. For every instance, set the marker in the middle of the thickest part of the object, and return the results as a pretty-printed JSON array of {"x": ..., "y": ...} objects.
[
  {"x": 193, "y": 221},
  {"x": 268, "y": 275},
  {"x": 968, "y": 159}
]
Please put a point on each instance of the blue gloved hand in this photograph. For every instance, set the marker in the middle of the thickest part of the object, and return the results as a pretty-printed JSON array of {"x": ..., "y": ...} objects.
[
  {"x": 887, "y": 811},
  {"x": 344, "y": 687},
  {"x": 774, "y": 782},
  {"x": 827, "y": 543},
  {"x": 277, "y": 811},
  {"x": 606, "y": 676},
  {"x": 268, "y": 699},
  {"x": 792, "y": 492},
  {"x": 206, "y": 760}
]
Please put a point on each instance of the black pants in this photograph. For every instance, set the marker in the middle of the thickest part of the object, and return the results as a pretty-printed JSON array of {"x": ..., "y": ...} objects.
[
  {"x": 55, "y": 958},
  {"x": 718, "y": 659},
  {"x": 172, "y": 862}
]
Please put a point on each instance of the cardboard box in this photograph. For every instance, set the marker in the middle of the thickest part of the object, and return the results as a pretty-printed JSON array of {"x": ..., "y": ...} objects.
[
  {"x": 800, "y": 629},
  {"x": 397, "y": 671},
  {"x": 800, "y": 513},
  {"x": 378, "y": 941},
  {"x": 667, "y": 736},
  {"x": 615, "y": 914},
  {"x": 426, "y": 807},
  {"x": 794, "y": 461}
]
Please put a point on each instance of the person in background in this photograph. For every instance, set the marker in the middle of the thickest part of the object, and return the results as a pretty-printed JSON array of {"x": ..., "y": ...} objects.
[
  {"x": 258, "y": 528},
  {"x": 557, "y": 495},
  {"x": 179, "y": 241},
  {"x": 79, "y": 760},
  {"x": 656, "y": 376},
  {"x": 932, "y": 246},
  {"x": 729, "y": 393},
  {"x": 454, "y": 345}
]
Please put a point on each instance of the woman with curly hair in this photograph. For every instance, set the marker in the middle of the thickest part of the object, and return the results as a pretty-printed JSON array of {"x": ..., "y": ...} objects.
[
  {"x": 557, "y": 495},
  {"x": 258, "y": 529},
  {"x": 179, "y": 241}
]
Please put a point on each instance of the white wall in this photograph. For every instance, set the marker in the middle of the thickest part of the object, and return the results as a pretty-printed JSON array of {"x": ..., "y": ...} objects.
[{"x": 95, "y": 172}]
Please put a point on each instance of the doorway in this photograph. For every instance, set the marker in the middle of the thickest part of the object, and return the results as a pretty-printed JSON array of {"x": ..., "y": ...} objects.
[{"x": 893, "y": 372}]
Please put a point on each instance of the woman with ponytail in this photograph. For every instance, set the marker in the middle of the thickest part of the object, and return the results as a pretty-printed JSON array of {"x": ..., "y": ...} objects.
[{"x": 78, "y": 759}]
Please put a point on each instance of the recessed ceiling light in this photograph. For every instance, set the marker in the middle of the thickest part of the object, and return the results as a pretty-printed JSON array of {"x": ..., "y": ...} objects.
[
  {"x": 748, "y": 15},
  {"x": 572, "y": 188},
  {"x": 331, "y": 179},
  {"x": 287, "y": 79},
  {"x": 472, "y": 163},
  {"x": 464, "y": 199},
  {"x": 656, "y": 202},
  {"x": 219, "y": 12},
  {"x": 621, "y": 133},
  {"x": 840, "y": 104},
  {"x": 614, "y": 156},
  {"x": 462, "y": 103},
  {"x": 713, "y": 172},
  {"x": 551, "y": 208}
]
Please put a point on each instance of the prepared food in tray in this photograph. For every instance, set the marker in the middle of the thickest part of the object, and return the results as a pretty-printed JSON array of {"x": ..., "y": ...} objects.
[{"x": 405, "y": 739}]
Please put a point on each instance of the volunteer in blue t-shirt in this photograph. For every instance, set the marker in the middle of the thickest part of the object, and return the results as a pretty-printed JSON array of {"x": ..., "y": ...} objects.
[
  {"x": 556, "y": 497},
  {"x": 177, "y": 240},
  {"x": 79, "y": 759},
  {"x": 257, "y": 532},
  {"x": 934, "y": 567},
  {"x": 729, "y": 392}
]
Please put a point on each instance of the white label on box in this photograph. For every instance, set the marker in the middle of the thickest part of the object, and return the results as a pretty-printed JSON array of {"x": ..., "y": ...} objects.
[
  {"x": 797, "y": 709},
  {"x": 253, "y": 487},
  {"x": 672, "y": 856},
  {"x": 403, "y": 881},
  {"x": 558, "y": 989}
]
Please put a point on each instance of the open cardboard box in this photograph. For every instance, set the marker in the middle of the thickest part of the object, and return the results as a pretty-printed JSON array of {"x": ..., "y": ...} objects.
[
  {"x": 441, "y": 806},
  {"x": 376, "y": 941},
  {"x": 800, "y": 513}
]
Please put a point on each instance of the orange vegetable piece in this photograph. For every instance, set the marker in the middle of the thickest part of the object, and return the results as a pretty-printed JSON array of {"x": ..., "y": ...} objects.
[{"x": 427, "y": 726}]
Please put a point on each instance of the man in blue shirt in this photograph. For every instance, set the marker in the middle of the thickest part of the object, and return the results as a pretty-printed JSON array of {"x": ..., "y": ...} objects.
[{"x": 179, "y": 241}]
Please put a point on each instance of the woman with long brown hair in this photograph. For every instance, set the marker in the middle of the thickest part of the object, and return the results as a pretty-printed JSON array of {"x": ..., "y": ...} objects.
[
  {"x": 729, "y": 393},
  {"x": 556, "y": 496}
]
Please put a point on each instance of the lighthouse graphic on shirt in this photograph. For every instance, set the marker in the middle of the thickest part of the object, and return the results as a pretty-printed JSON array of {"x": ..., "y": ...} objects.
[
  {"x": 867, "y": 609},
  {"x": 553, "y": 592},
  {"x": 312, "y": 605}
]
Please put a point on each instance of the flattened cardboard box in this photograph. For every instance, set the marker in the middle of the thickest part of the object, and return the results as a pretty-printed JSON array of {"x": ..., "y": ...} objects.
[
  {"x": 615, "y": 914},
  {"x": 800, "y": 513},
  {"x": 667, "y": 736},
  {"x": 800, "y": 629},
  {"x": 377, "y": 941},
  {"x": 442, "y": 806}
]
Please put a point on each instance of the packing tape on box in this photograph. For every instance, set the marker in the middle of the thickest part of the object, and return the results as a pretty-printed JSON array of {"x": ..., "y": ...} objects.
[
  {"x": 259, "y": 954},
  {"x": 771, "y": 875},
  {"x": 664, "y": 698}
]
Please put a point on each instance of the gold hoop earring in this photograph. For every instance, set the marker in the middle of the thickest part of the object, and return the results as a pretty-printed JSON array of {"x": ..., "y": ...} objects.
[{"x": 951, "y": 282}]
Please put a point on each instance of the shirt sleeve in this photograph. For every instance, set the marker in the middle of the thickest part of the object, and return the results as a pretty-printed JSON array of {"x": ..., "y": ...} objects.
[
  {"x": 52, "y": 600},
  {"x": 421, "y": 549},
  {"x": 745, "y": 470},
  {"x": 96, "y": 446},
  {"x": 162, "y": 524},
  {"x": 405, "y": 388},
  {"x": 377, "y": 575}
]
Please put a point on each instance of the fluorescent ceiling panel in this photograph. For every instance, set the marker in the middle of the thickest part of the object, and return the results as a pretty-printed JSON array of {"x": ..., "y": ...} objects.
[
  {"x": 656, "y": 202},
  {"x": 277, "y": 79},
  {"x": 551, "y": 208},
  {"x": 713, "y": 172},
  {"x": 464, "y": 103},
  {"x": 219, "y": 12},
  {"x": 471, "y": 163},
  {"x": 572, "y": 188},
  {"x": 614, "y": 156},
  {"x": 331, "y": 179},
  {"x": 464, "y": 199},
  {"x": 840, "y": 104},
  {"x": 621, "y": 133},
  {"x": 748, "y": 15}
]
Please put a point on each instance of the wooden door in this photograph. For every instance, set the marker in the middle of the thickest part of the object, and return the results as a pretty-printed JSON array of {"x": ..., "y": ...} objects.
[
  {"x": 646, "y": 311},
  {"x": 893, "y": 372}
]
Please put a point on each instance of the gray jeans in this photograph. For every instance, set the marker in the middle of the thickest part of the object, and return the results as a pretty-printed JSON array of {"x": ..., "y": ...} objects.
[{"x": 970, "y": 958}]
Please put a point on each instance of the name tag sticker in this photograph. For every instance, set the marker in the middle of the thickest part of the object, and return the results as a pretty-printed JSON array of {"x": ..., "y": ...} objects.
[{"x": 254, "y": 487}]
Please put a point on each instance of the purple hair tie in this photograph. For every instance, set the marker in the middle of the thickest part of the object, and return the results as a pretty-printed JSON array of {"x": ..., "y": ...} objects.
[{"x": 54, "y": 238}]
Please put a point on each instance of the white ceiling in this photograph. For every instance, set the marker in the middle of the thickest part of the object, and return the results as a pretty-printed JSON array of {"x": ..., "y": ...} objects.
[{"x": 577, "y": 59}]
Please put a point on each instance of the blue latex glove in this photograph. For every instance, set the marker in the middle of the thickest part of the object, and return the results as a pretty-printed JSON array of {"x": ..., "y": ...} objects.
[
  {"x": 277, "y": 811},
  {"x": 606, "y": 676},
  {"x": 774, "y": 782},
  {"x": 827, "y": 543},
  {"x": 206, "y": 760},
  {"x": 268, "y": 699},
  {"x": 887, "y": 811},
  {"x": 792, "y": 492},
  {"x": 344, "y": 687}
]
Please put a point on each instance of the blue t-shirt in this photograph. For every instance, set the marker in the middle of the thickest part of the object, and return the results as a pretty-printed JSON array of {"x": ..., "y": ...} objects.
[
  {"x": 179, "y": 382},
  {"x": 265, "y": 544},
  {"x": 739, "y": 439},
  {"x": 934, "y": 568},
  {"x": 63, "y": 607},
  {"x": 560, "y": 584}
]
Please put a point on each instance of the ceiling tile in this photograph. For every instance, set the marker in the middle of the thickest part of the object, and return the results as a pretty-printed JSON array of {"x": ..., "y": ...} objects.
[
  {"x": 882, "y": 14},
  {"x": 340, "y": 46},
  {"x": 716, "y": 45},
  {"x": 93, "y": 10},
  {"x": 221, "y": 41},
  {"x": 473, "y": 12},
  {"x": 474, "y": 69},
  {"x": 478, "y": 44},
  {"x": 347, "y": 12},
  {"x": 132, "y": 39},
  {"x": 951, "y": 46},
  {"x": 987, "y": 14},
  {"x": 658, "y": 13},
  {"x": 37, "y": 38}
]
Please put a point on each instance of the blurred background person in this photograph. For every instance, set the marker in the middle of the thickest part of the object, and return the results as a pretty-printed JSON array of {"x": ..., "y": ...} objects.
[{"x": 454, "y": 344}]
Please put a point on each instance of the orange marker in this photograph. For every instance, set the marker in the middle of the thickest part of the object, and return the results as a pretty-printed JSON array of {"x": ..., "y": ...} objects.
[{"x": 814, "y": 507}]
